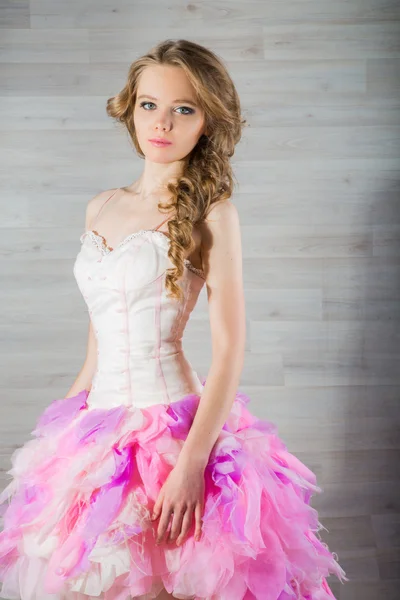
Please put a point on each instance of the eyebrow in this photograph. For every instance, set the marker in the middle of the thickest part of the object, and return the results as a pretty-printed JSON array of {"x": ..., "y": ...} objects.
[{"x": 186, "y": 100}]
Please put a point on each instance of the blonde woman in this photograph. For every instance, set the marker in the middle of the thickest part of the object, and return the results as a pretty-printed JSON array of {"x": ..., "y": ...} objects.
[{"x": 144, "y": 481}]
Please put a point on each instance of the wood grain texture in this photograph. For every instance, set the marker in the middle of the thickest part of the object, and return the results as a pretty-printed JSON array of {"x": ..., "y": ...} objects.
[{"x": 318, "y": 183}]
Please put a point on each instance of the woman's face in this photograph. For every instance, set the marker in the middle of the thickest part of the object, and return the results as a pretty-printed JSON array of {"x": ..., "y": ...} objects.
[{"x": 166, "y": 108}]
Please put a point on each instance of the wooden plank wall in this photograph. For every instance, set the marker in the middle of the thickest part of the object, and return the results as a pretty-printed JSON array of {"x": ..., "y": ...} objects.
[{"x": 318, "y": 175}]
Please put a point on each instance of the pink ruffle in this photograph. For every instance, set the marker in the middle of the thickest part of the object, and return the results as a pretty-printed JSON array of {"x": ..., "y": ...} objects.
[{"x": 77, "y": 524}]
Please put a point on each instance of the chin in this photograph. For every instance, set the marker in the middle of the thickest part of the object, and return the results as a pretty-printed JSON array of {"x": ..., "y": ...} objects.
[{"x": 162, "y": 157}]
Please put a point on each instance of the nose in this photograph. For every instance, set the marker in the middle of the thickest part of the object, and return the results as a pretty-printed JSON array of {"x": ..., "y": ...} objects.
[
  {"x": 162, "y": 127},
  {"x": 163, "y": 124}
]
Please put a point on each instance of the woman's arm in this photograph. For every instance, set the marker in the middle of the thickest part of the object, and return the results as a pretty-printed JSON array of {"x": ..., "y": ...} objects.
[
  {"x": 222, "y": 264},
  {"x": 84, "y": 378},
  {"x": 85, "y": 375}
]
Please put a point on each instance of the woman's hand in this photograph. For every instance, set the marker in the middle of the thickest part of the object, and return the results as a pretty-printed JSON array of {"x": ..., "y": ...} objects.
[{"x": 181, "y": 495}]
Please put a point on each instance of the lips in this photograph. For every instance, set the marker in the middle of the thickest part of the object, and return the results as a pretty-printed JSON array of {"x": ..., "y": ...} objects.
[{"x": 160, "y": 142}]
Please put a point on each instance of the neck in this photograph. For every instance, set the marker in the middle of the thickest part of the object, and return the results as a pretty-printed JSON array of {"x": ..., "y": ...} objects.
[{"x": 156, "y": 177}]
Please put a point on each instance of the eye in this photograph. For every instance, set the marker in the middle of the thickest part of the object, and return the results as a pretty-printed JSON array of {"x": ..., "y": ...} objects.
[
  {"x": 143, "y": 103},
  {"x": 191, "y": 111},
  {"x": 186, "y": 108}
]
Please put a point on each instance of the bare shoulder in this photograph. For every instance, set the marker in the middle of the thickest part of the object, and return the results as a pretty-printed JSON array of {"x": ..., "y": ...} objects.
[
  {"x": 221, "y": 224},
  {"x": 221, "y": 248},
  {"x": 94, "y": 204},
  {"x": 220, "y": 208}
]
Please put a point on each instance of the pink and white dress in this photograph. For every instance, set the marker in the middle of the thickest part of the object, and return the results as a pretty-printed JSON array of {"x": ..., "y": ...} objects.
[{"x": 76, "y": 513}]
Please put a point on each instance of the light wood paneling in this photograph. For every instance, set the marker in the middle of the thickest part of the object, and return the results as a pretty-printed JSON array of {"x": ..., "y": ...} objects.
[{"x": 318, "y": 172}]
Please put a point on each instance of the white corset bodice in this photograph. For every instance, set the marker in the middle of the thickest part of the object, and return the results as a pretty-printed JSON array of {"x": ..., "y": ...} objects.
[{"x": 138, "y": 328}]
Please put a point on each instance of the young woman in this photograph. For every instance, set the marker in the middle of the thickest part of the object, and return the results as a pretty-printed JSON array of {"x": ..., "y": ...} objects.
[{"x": 143, "y": 481}]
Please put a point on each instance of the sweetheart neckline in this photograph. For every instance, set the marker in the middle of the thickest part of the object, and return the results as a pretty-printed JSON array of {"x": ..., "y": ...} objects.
[
  {"x": 106, "y": 249},
  {"x": 127, "y": 237}
]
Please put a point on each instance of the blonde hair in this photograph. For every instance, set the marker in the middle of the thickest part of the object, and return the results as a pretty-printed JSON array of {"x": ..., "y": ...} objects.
[{"x": 207, "y": 174}]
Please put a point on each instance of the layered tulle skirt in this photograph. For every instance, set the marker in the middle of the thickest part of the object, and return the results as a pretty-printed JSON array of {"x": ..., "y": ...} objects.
[{"x": 77, "y": 511}]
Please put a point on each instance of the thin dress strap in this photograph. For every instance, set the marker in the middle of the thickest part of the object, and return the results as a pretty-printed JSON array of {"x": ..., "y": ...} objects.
[
  {"x": 109, "y": 198},
  {"x": 162, "y": 223},
  {"x": 104, "y": 203}
]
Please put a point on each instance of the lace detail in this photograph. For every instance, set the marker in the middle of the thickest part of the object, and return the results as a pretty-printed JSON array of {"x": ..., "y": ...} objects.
[
  {"x": 191, "y": 267},
  {"x": 97, "y": 240},
  {"x": 101, "y": 244}
]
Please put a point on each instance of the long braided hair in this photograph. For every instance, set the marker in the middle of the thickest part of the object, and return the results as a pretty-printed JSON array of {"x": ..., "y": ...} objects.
[{"x": 207, "y": 175}]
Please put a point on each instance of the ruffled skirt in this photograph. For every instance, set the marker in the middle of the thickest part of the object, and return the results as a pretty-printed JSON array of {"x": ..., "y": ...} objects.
[{"x": 76, "y": 513}]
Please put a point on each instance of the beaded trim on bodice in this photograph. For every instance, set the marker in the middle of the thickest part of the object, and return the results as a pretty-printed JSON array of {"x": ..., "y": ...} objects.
[{"x": 100, "y": 243}]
